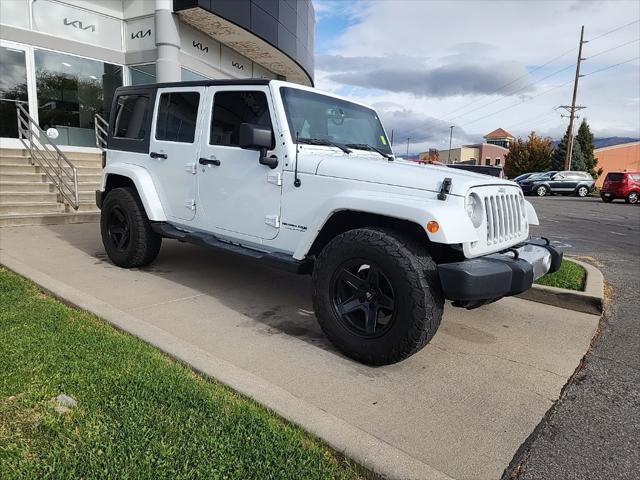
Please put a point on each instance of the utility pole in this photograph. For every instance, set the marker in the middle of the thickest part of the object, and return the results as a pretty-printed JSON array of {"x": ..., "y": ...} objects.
[
  {"x": 573, "y": 108},
  {"x": 408, "y": 138},
  {"x": 450, "y": 138},
  {"x": 392, "y": 137}
]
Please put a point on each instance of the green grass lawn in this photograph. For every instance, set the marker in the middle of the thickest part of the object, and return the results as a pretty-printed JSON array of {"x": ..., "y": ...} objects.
[
  {"x": 570, "y": 275},
  {"x": 139, "y": 414}
]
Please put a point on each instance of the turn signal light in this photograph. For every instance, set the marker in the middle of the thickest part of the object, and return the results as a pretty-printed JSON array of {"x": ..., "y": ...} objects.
[{"x": 432, "y": 226}]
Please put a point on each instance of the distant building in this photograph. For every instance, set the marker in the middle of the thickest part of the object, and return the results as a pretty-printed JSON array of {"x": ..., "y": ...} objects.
[
  {"x": 499, "y": 137},
  {"x": 617, "y": 158},
  {"x": 491, "y": 152}
]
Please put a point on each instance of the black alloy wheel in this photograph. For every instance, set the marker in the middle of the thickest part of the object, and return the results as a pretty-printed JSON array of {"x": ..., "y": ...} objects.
[
  {"x": 118, "y": 228},
  {"x": 363, "y": 299}
]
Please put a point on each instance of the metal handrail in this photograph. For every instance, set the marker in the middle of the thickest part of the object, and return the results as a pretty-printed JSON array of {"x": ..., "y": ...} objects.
[
  {"x": 101, "y": 127},
  {"x": 48, "y": 156}
]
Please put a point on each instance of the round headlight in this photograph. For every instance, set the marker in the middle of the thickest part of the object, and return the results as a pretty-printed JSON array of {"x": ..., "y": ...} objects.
[{"x": 473, "y": 206}]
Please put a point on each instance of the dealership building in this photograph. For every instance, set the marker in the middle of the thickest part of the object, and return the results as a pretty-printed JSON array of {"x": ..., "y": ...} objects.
[{"x": 63, "y": 59}]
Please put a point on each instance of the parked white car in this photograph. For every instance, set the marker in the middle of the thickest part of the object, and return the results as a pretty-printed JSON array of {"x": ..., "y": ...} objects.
[{"x": 308, "y": 181}]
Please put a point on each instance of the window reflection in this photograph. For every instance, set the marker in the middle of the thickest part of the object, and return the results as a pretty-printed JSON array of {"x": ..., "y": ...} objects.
[
  {"x": 13, "y": 87},
  {"x": 71, "y": 90},
  {"x": 143, "y": 74}
]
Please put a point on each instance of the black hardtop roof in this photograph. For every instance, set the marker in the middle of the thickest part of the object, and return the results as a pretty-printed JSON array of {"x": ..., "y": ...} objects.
[{"x": 197, "y": 83}]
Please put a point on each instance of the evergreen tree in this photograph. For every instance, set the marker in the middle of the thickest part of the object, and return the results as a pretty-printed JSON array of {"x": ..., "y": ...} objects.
[
  {"x": 585, "y": 139},
  {"x": 578, "y": 161}
]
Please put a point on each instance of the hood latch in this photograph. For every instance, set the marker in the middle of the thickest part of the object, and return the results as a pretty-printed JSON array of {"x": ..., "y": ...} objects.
[{"x": 444, "y": 189}]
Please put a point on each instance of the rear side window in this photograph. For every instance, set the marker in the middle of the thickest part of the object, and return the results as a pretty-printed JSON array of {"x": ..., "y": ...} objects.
[
  {"x": 230, "y": 109},
  {"x": 131, "y": 117},
  {"x": 614, "y": 177},
  {"x": 635, "y": 177},
  {"x": 177, "y": 116}
]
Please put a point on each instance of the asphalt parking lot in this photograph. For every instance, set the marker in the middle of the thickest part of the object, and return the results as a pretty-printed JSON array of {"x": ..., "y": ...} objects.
[{"x": 593, "y": 432}]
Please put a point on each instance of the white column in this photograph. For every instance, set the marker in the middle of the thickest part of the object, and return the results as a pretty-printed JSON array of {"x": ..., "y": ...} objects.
[{"x": 167, "y": 43}]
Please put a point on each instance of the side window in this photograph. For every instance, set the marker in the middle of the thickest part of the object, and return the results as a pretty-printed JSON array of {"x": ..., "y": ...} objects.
[
  {"x": 131, "y": 117},
  {"x": 230, "y": 109},
  {"x": 177, "y": 116}
]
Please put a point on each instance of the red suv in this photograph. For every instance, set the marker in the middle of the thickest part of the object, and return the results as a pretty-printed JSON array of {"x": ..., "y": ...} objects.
[{"x": 621, "y": 185}]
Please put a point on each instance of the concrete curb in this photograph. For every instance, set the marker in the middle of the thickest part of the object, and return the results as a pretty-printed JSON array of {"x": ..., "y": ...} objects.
[
  {"x": 589, "y": 301},
  {"x": 367, "y": 450}
]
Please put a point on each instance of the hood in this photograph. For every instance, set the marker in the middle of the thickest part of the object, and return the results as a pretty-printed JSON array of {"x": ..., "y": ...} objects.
[{"x": 402, "y": 173}]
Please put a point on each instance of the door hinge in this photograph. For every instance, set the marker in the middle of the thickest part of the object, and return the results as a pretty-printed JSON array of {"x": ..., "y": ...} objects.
[
  {"x": 190, "y": 204},
  {"x": 273, "y": 220},
  {"x": 191, "y": 168},
  {"x": 274, "y": 178}
]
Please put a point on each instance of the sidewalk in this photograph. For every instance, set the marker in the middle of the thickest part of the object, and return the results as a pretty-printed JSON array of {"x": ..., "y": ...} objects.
[{"x": 460, "y": 408}]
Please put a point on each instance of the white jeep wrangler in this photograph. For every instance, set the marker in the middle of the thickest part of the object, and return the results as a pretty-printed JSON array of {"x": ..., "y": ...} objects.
[{"x": 307, "y": 181}]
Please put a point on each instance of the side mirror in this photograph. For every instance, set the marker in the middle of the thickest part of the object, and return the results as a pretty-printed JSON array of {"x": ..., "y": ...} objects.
[{"x": 254, "y": 137}]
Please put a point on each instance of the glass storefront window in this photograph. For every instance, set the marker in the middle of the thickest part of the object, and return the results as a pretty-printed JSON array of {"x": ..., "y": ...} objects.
[
  {"x": 142, "y": 74},
  {"x": 13, "y": 87},
  {"x": 187, "y": 75},
  {"x": 71, "y": 90}
]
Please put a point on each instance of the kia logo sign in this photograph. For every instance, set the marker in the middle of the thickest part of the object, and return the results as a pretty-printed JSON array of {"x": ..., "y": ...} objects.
[
  {"x": 237, "y": 65},
  {"x": 78, "y": 24},
  {"x": 141, "y": 34},
  {"x": 200, "y": 47}
]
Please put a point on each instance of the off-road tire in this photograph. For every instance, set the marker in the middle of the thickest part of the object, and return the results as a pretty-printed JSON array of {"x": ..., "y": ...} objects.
[
  {"x": 412, "y": 274},
  {"x": 144, "y": 244},
  {"x": 541, "y": 191},
  {"x": 632, "y": 198},
  {"x": 582, "y": 191}
]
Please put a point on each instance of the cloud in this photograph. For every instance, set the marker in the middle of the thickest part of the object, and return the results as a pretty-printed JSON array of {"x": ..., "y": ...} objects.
[{"x": 446, "y": 80}]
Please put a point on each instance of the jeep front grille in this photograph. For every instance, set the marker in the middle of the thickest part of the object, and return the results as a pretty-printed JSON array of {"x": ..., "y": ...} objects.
[{"x": 504, "y": 217}]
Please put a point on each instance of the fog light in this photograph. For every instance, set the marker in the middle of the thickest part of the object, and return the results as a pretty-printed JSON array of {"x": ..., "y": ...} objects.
[{"x": 432, "y": 226}]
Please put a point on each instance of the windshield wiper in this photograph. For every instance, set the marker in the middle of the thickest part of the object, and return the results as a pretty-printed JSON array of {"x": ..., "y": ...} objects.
[
  {"x": 366, "y": 146},
  {"x": 323, "y": 141}
]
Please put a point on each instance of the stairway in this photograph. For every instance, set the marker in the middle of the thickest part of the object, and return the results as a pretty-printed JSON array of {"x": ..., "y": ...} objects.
[{"x": 27, "y": 196}]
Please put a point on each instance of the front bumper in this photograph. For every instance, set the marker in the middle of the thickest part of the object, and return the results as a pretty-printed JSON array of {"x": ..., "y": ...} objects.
[{"x": 477, "y": 281}]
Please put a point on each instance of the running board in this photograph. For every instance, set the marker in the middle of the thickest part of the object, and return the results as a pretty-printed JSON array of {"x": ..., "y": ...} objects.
[{"x": 274, "y": 259}]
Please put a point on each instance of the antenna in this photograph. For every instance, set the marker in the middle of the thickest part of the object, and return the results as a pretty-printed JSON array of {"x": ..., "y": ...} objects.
[{"x": 296, "y": 180}]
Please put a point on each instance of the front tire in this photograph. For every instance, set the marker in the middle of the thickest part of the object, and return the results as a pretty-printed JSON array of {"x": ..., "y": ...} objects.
[
  {"x": 607, "y": 199},
  {"x": 377, "y": 295},
  {"x": 582, "y": 191},
  {"x": 632, "y": 198},
  {"x": 126, "y": 232},
  {"x": 541, "y": 191}
]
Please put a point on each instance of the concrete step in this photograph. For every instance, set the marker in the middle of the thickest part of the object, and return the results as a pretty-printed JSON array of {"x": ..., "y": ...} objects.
[
  {"x": 27, "y": 197},
  {"x": 18, "y": 169},
  {"x": 27, "y": 168},
  {"x": 19, "y": 160},
  {"x": 84, "y": 207},
  {"x": 35, "y": 186},
  {"x": 23, "y": 208},
  {"x": 54, "y": 218},
  {"x": 70, "y": 155},
  {"x": 91, "y": 179}
]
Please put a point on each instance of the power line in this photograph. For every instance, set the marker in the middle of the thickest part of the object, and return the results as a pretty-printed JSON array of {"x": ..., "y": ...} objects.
[
  {"x": 610, "y": 66},
  {"x": 614, "y": 30},
  {"x": 612, "y": 48}
]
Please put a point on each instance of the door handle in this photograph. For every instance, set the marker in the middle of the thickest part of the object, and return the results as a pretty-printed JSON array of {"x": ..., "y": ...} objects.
[
  {"x": 158, "y": 155},
  {"x": 207, "y": 161}
]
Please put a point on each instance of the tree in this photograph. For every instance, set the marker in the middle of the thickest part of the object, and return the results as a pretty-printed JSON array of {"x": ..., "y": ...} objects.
[
  {"x": 530, "y": 155},
  {"x": 585, "y": 139},
  {"x": 577, "y": 155}
]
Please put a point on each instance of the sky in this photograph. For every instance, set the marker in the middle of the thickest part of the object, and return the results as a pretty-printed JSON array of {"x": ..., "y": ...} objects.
[{"x": 427, "y": 64}]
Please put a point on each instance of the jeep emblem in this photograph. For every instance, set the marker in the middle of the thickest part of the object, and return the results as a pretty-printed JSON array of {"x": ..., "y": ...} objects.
[{"x": 501, "y": 190}]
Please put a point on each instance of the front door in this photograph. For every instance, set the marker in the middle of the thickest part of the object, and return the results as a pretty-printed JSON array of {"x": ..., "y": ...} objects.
[
  {"x": 236, "y": 193},
  {"x": 173, "y": 149}
]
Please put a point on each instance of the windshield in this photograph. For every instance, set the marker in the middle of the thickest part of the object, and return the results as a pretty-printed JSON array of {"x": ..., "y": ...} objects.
[{"x": 321, "y": 117}]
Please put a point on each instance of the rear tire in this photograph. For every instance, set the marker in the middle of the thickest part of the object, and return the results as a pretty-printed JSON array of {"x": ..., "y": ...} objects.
[
  {"x": 582, "y": 192},
  {"x": 377, "y": 295},
  {"x": 541, "y": 191},
  {"x": 126, "y": 232},
  {"x": 632, "y": 198}
]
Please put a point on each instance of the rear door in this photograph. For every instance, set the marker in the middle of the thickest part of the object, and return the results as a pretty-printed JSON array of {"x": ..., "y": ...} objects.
[
  {"x": 235, "y": 192},
  {"x": 174, "y": 149}
]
